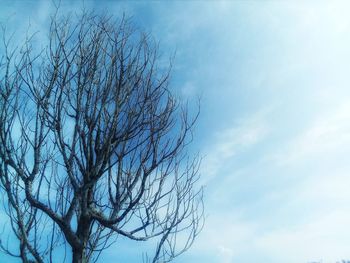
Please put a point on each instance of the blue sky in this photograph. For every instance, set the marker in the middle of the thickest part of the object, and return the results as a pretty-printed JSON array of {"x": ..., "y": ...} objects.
[{"x": 274, "y": 130}]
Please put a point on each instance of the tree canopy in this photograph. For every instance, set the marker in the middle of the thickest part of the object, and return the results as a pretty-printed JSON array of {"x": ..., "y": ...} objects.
[{"x": 93, "y": 144}]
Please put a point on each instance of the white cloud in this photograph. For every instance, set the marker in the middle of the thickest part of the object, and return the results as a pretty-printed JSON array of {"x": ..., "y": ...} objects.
[
  {"x": 188, "y": 90},
  {"x": 224, "y": 237},
  {"x": 327, "y": 135},
  {"x": 231, "y": 141},
  {"x": 325, "y": 237}
]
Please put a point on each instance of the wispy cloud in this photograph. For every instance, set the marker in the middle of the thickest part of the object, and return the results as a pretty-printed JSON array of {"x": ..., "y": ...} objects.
[
  {"x": 325, "y": 237},
  {"x": 327, "y": 134},
  {"x": 225, "y": 235},
  {"x": 224, "y": 238},
  {"x": 231, "y": 141}
]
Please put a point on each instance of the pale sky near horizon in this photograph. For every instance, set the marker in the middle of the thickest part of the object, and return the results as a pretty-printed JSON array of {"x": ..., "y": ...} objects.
[{"x": 274, "y": 129}]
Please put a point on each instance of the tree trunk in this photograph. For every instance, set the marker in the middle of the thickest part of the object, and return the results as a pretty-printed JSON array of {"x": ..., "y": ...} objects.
[
  {"x": 78, "y": 256},
  {"x": 82, "y": 233}
]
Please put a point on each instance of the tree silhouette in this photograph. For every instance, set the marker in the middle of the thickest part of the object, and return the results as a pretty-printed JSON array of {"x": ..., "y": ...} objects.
[{"x": 93, "y": 144}]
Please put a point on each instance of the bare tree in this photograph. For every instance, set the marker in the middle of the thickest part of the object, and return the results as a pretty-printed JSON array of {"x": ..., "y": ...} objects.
[{"x": 93, "y": 144}]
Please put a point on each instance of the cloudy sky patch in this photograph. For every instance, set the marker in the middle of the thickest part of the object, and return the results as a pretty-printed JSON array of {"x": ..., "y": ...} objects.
[{"x": 274, "y": 129}]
